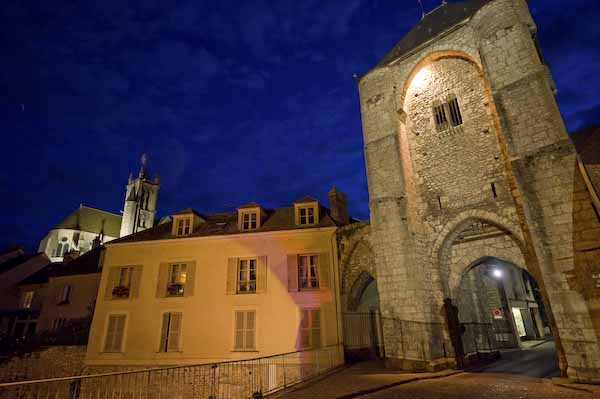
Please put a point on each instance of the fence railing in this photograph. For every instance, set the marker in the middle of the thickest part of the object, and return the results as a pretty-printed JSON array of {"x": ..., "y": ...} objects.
[
  {"x": 225, "y": 380},
  {"x": 479, "y": 338}
]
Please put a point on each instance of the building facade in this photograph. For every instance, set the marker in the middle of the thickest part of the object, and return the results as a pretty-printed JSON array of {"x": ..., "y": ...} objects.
[
  {"x": 462, "y": 134},
  {"x": 238, "y": 285}
]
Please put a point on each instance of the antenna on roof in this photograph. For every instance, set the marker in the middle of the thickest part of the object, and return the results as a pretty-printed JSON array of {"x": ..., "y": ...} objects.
[{"x": 422, "y": 9}]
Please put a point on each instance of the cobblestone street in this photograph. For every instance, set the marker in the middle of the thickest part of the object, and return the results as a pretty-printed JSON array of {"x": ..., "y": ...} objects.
[{"x": 478, "y": 385}]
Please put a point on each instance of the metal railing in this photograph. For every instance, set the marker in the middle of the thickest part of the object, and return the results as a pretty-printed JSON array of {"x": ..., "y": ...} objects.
[
  {"x": 479, "y": 338},
  {"x": 239, "y": 379}
]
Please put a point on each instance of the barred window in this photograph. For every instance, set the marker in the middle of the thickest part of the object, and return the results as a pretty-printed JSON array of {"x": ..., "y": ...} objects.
[
  {"x": 455, "y": 115},
  {"x": 441, "y": 121}
]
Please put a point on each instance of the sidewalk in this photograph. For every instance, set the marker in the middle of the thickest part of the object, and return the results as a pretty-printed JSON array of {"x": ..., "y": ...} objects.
[{"x": 359, "y": 379}]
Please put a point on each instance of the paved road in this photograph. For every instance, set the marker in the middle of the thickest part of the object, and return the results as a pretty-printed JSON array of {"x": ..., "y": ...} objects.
[
  {"x": 478, "y": 386},
  {"x": 539, "y": 362}
]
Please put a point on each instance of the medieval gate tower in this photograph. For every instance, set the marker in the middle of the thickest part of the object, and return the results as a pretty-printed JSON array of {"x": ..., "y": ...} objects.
[{"x": 463, "y": 137}]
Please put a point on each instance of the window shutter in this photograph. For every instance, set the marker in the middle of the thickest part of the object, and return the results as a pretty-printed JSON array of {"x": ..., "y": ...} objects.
[
  {"x": 239, "y": 331},
  {"x": 114, "y": 333},
  {"x": 174, "y": 332},
  {"x": 190, "y": 279},
  {"x": 232, "y": 275},
  {"x": 316, "y": 328},
  {"x": 163, "y": 332},
  {"x": 161, "y": 285},
  {"x": 250, "y": 330},
  {"x": 324, "y": 270},
  {"x": 119, "y": 332},
  {"x": 136, "y": 276},
  {"x": 292, "y": 262},
  {"x": 261, "y": 274},
  {"x": 304, "y": 328},
  {"x": 110, "y": 333},
  {"x": 112, "y": 280}
]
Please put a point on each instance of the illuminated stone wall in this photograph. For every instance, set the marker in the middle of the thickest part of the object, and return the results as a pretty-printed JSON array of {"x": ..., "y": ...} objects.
[{"x": 426, "y": 187}]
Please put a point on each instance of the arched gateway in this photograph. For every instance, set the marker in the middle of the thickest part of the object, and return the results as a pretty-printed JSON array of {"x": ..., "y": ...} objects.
[{"x": 469, "y": 165}]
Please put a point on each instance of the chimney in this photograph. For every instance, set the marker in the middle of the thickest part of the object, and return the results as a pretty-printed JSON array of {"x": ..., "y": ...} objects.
[{"x": 339, "y": 206}]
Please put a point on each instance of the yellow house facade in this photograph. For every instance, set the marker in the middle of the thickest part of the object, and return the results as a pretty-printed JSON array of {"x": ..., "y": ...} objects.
[{"x": 203, "y": 289}]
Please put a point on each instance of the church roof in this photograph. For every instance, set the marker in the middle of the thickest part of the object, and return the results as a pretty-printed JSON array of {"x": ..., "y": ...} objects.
[
  {"x": 92, "y": 220},
  {"x": 587, "y": 143},
  {"x": 433, "y": 23}
]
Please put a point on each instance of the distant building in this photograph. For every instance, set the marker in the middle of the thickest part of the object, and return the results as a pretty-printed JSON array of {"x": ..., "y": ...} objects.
[
  {"x": 78, "y": 230},
  {"x": 235, "y": 285},
  {"x": 19, "y": 305}
]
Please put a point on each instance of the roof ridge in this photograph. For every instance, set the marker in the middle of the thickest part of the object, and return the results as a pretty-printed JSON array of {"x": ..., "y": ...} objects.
[{"x": 99, "y": 210}]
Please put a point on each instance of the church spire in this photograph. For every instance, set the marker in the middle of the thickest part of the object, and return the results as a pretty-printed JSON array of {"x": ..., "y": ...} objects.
[{"x": 143, "y": 161}]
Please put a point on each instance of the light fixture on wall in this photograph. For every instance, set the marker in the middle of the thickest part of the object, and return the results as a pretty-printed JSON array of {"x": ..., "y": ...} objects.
[
  {"x": 497, "y": 273},
  {"x": 421, "y": 78}
]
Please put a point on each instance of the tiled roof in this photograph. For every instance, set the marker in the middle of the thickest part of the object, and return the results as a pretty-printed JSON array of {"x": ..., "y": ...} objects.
[
  {"x": 434, "y": 23},
  {"x": 187, "y": 211},
  {"x": 84, "y": 264},
  {"x": 306, "y": 199},
  {"x": 92, "y": 220},
  {"x": 16, "y": 261},
  {"x": 226, "y": 223},
  {"x": 249, "y": 205}
]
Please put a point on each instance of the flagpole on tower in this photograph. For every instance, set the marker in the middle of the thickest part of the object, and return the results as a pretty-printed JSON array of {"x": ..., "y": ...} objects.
[{"x": 422, "y": 9}]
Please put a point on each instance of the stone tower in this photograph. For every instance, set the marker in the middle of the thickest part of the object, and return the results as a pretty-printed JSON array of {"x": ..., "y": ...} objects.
[
  {"x": 140, "y": 202},
  {"x": 468, "y": 162}
]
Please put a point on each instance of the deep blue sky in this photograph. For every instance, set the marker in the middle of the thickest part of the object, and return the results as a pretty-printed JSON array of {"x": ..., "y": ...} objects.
[{"x": 234, "y": 100}]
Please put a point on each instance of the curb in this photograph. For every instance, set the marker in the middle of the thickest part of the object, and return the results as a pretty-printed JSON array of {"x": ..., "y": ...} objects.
[
  {"x": 560, "y": 382},
  {"x": 395, "y": 384}
]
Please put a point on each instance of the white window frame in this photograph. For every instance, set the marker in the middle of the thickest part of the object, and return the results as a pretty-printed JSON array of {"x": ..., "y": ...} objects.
[
  {"x": 247, "y": 281},
  {"x": 245, "y": 330},
  {"x": 310, "y": 327},
  {"x": 64, "y": 296},
  {"x": 249, "y": 220},
  {"x": 172, "y": 279},
  {"x": 123, "y": 338},
  {"x": 27, "y": 299},
  {"x": 313, "y": 283},
  {"x": 307, "y": 216},
  {"x": 183, "y": 226},
  {"x": 165, "y": 348}
]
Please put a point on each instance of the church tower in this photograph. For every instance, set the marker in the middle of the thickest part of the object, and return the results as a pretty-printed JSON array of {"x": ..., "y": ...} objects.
[{"x": 140, "y": 202}]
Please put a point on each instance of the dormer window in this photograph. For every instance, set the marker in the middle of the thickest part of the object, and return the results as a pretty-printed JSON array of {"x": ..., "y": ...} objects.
[
  {"x": 184, "y": 222},
  {"x": 306, "y": 212},
  {"x": 184, "y": 227},
  {"x": 307, "y": 215},
  {"x": 249, "y": 220},
  {"x": 250, "y": 217}
]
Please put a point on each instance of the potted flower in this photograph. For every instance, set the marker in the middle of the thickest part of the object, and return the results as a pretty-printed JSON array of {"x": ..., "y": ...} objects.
[
  {"x": 175, "y": 289},
  {"x": 120, "y": 291}
]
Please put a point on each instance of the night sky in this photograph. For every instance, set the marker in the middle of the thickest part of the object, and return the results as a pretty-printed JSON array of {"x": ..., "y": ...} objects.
[{"x": 234, "y": 101}]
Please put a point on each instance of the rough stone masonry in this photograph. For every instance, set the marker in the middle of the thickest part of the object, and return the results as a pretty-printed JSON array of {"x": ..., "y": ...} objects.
[{"x": 506, "y": 163}]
